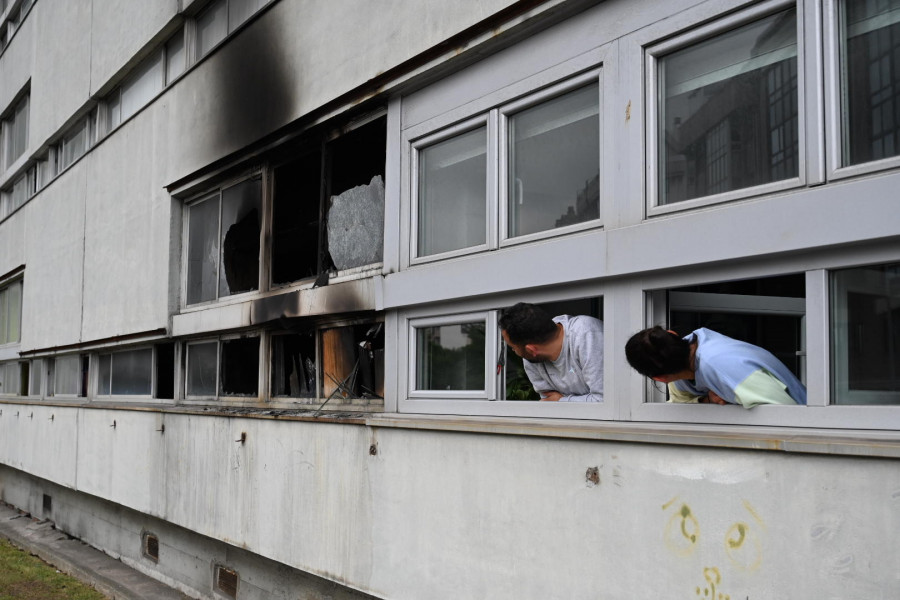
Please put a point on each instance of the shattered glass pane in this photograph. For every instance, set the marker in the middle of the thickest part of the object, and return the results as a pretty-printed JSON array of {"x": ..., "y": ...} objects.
[
  {"x": 356, "y": 225},
  {"x": 241, "y": 211}
]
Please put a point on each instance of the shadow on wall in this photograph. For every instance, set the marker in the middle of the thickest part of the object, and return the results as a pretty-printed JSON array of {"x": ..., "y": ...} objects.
[{"x": 252, "y": 86}]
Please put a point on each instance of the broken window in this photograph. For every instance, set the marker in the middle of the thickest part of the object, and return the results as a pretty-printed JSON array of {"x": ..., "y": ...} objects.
[
  {"x": 294, "y": 365},
  {"x": 353, "y": 361},
  {"x": 328, "y": 206},
  {"x": 223, "y": 242},
  {"x": 128, "y": 373},
  {"x": 227, "y": 367}
]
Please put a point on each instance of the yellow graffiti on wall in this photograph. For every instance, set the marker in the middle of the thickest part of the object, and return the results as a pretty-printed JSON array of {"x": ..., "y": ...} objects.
[{"x": 741, "y": 541}]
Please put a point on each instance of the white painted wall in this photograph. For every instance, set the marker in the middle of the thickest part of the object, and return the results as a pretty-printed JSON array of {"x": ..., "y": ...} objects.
[{"x": 486, "y": 515}]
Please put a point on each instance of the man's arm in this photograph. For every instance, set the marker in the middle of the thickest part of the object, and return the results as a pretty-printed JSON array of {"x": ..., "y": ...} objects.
[
  {"x": 588, "y": 354},
  {"x": 540, "y": 385}
]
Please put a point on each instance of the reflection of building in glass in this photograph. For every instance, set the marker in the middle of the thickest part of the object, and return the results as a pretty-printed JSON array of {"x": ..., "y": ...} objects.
[
  {"x": 736, "y": 127},
  {"x": 587, "y": 205}
]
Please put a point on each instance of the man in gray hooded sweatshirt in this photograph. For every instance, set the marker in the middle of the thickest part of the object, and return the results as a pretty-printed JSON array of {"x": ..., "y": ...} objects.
[{"x": 563, "y": 356}]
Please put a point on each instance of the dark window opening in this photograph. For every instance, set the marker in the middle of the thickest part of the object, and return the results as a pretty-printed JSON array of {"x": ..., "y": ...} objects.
[
  {"x": 295, "y": 219},
  {"x": 304, "y": 193},
  {"x": 294, "y": 365},
  {"x": 150, "y": 547},
  {"x": 353, "y": 361},
  {"x": 241, "y": 218},
  {"x": 516, "y": 382},
  {"x": 767, "y": 312},
  {"x": 240, "y": 367},
  {"x": 85, "y": 372},
  {"x": 165, "y": 371},
  {"x": 47, "y": 504}
]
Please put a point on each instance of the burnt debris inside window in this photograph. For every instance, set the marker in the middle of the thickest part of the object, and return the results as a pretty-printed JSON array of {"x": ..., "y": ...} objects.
[
  {"x": 353, "y": 361},
  {"x": 294, "y": 365},
  {"x": 241, "y": 217},
  {"x": 305, "y": 188}
]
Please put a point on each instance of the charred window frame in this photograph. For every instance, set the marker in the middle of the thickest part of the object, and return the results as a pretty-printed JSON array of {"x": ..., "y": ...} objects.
[
  {"x": 328, "y": 362},
  {"x": 322, "y": 220},
  {"x": 226, "y": 368}
]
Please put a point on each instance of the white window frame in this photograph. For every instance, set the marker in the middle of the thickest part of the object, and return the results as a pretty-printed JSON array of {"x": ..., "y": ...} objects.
[
  {"x": 95, "y": 375},
  {"x": 491, "y": 350},
  {"x": 509, "y": 110},
  {"x": 493, "y": 109},
  {"x": 833, "y": 49},
  {"x": 9, "y": 350},
  {"x": 489, "y": 122},
  {"x": 677, "y": 36}
]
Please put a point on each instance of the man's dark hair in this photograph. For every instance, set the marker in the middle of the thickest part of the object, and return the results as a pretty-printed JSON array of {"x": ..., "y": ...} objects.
[
  {"x": 654, "y": 352},
  {"x": 527, "y": 324}
]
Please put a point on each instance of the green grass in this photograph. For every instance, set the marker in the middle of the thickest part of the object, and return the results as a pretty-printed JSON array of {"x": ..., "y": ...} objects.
[{"x": 26, "y": 577}]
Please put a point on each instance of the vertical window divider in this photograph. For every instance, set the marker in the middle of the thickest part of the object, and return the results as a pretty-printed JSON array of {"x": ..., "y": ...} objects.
[
  {"x": 835, "y": 122},
  {"x": 811, "y": 90},
  {"x": 818, "y": 338},
  {"x": 219, "y": 242},
  {"x": 496, "y": 143},
  {"x": 267, "y": 192}
]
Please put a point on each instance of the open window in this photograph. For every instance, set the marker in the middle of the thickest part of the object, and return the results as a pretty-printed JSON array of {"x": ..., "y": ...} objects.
[
  {"x": 226, "y": 367},
  {"x": 768, "y": 312}
]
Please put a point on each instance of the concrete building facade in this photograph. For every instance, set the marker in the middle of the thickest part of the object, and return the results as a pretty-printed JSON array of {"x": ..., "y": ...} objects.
[{"x": 253, "y": 253}]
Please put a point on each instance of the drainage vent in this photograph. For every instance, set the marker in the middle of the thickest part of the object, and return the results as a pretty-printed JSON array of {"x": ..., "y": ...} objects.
[
  {"x": 227, "y": 581},
  {"x": 48, "y": 504},
  {"x": 151, "y": 547}
]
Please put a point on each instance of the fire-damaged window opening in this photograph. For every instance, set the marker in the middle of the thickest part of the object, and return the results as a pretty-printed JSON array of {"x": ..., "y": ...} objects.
[
  {"x": 328, "y": 205},
  {"x": 227, "y": 367},
  {"x": 331, "y": 363}
]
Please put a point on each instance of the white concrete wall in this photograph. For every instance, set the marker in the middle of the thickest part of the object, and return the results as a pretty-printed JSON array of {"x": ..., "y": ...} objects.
[{"x": 488, "y": 516}]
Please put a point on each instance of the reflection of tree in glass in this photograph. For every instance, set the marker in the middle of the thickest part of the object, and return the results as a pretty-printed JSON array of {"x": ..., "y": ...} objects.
[{"x": 459, "y": 368}]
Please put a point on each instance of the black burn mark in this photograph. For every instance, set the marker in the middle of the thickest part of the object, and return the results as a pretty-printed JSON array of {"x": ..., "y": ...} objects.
[{"x": 252, "y": 86}]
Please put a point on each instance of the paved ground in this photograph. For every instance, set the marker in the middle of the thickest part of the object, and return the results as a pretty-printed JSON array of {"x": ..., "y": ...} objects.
[{"x": 76, "y": 558}]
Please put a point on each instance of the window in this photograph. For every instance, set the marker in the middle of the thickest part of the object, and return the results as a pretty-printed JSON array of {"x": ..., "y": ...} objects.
[
  {"x": 526, "y": 169},
  {"x": 226, "y": 367},
  {"x": 176, "y": 57},
  {"x": 14, "y": 378},
  {"x": 16, "y": 127},
  {"x": 75, "y": 143},
  {"x": 224, "y": 241},
  {"x": 451, "y": 356},
  {"x": 870, "y": 38},
  {"x": 11, "y": 313},
  {"x": 728, "y": 110},
  {"x": 128, "y": 373},
  {"x": 866, "y": 335},
  {"x": 221, "y": 18},
  {"x": 36, "y": 379},
  {"x": 68, "y": 375}
]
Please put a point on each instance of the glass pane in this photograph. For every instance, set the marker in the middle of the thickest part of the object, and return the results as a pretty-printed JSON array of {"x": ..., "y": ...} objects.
[
  {"x": 728, "y": 111},
  {"x": 34, "y": 377},
  {"x": 294, "y": 365},
  {"x": 201, "y": 375},
  {"x": 104, "y": 371},
  {"x": 175, "y": 56},
  {"x": 871, "y": 80},
  {"x": 74, "y": 144},
  {"x": 18, "y": 132},
  {"x": 14, "y": 310},
  {"x": 240, "y": 367},
  {"x": 114, "y": 109},
  {"x": 866, "y": 335},
  {"x": 142, "y": 85},
  {"x": 452, "y": 190},
  {"x": 11, "y": 379},
  {"x": 19, "y": 193},
  {"x": 4, "y": 316},
  {"x": 132, "y": 372},
  {"x": 241, "y": 212},
  {"x": 450, "y": 357},
  {"x": 241, "y": 10},
  {"x": 67, "y": 375},
  {"x": 203, "y": 251},
  {"x": 212, "y": 26},
  {"x": 554, "y": 163}
]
